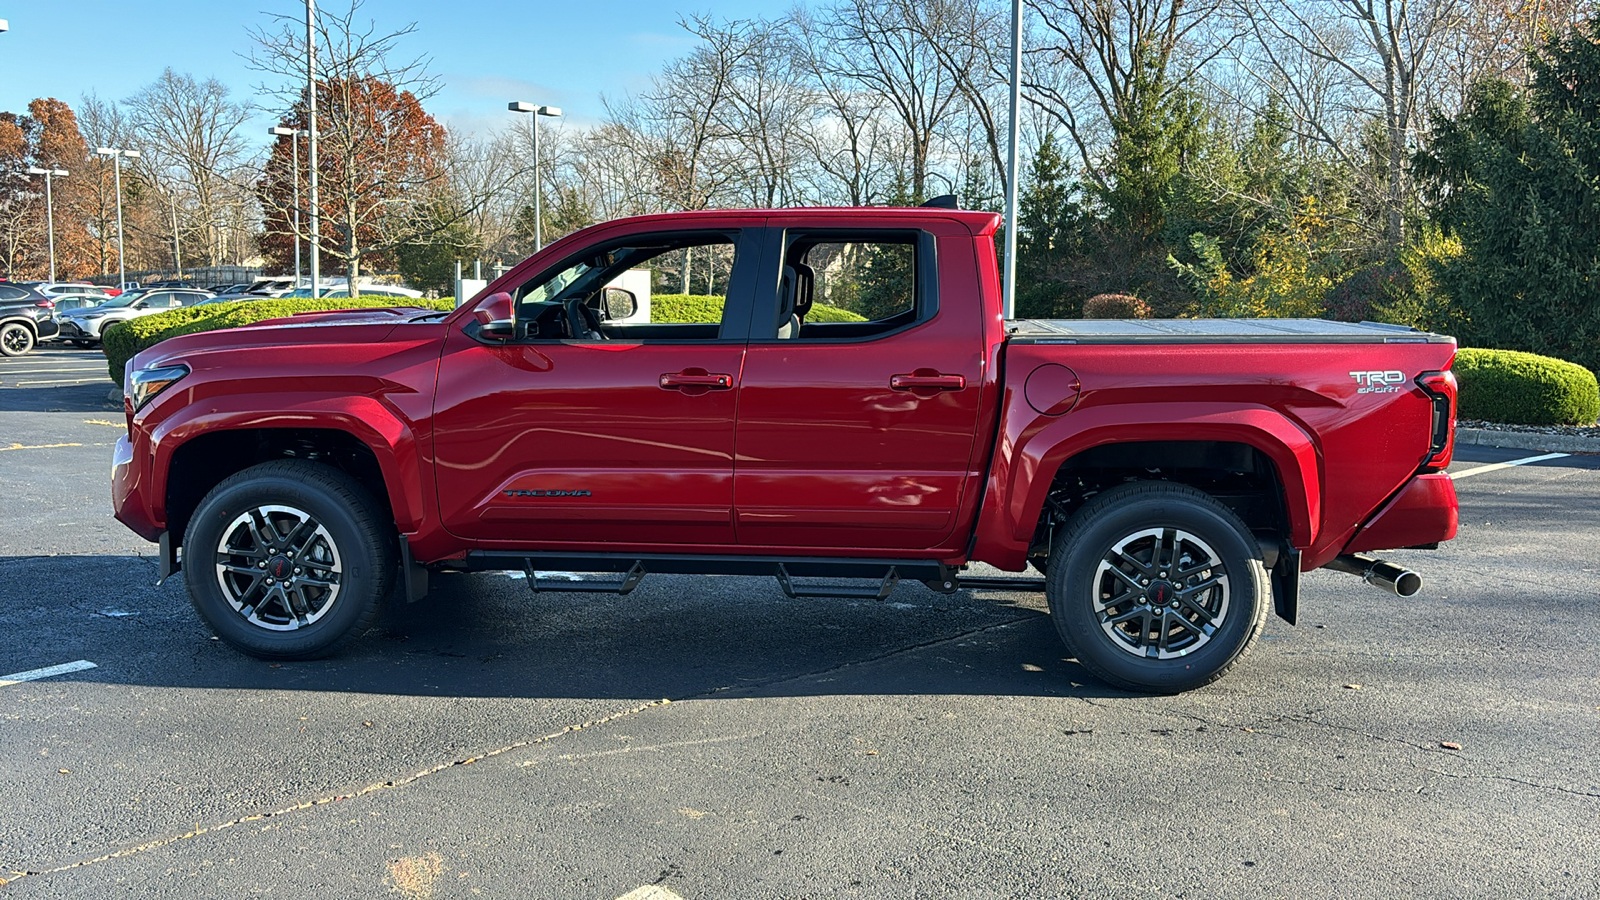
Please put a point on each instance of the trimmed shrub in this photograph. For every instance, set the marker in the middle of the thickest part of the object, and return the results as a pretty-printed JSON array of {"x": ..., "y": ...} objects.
[
  {"x": 134, "y": 335},
  {"x": 1525, "y": 388},
  {"x": 703, "y": 309},
  {"x": 1115, "y": 306}
]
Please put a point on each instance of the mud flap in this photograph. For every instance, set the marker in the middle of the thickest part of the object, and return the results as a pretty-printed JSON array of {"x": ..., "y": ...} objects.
[
  {"x": 166, "y": 558},
  {"x": 413, "y": 575},
  {"x": 1285, "y": 577}
]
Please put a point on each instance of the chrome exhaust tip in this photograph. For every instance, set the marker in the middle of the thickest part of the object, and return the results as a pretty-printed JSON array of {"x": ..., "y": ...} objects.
[{"x": 1392, "y": 578}]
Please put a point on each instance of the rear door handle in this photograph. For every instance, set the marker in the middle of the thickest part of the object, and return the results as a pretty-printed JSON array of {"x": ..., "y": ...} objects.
[
  {"x": 697, "y": 378},
  {"x": 919, "y": 382}
]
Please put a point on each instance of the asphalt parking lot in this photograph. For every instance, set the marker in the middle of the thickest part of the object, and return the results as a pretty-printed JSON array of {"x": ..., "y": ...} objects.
[{"x": 710, "y": 738}]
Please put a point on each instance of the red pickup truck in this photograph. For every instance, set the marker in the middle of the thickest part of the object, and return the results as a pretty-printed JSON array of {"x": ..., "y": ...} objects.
[{"x": 1170, "y": 479}]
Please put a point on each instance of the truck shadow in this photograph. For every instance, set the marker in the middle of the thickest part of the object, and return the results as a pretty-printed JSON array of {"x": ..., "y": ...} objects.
[
  {"x": 487, "y": 635},
  {"x": 68, "y": 398}
]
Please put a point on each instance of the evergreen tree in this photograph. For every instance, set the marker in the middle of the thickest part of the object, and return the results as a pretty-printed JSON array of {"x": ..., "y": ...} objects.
[{"x": 1516, "y": 177}]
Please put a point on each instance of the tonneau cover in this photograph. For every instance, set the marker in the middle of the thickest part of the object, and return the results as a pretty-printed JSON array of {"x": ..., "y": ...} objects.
[{"x": 1213, "y": 331}]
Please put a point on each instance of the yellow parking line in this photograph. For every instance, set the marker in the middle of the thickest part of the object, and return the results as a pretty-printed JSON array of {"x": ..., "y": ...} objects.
[{"x": 37, "y": 447}]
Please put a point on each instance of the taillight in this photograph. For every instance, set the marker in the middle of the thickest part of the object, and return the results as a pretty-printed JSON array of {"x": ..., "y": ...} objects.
[
  {"x": 47, "y": 304},
  {"x": 1441, "y": 390}
]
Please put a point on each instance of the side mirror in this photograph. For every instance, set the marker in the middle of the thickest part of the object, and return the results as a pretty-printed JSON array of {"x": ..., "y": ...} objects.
[
  {"x": 617, "y": 303},
  {"x": 495, "y": 317}
]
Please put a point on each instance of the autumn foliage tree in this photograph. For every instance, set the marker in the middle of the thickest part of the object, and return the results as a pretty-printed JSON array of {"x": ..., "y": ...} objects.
[
  {"x": 380, "y": 155},
  {"x": 382, "y": 168},
  {"x": 47, "y": 137}
]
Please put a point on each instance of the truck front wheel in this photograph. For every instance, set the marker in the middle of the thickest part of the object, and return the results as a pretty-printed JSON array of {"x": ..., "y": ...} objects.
[
  {"x": 288, "y": 559},
  {"x": 1157, "y": 587}
]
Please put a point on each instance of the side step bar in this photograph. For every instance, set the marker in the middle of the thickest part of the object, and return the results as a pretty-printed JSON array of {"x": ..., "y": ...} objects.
[{"x": 634, "y": 567}]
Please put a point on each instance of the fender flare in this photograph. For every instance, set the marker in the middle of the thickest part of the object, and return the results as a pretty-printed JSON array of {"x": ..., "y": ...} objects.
[
  {"x": 1028, "y": 458},
  {"x": 367, "y": 419}
]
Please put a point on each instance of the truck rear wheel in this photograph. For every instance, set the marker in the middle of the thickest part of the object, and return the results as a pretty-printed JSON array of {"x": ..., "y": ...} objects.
[
  {"x": 288, "y": 559},
  {"x": 1157, "y": 587}
]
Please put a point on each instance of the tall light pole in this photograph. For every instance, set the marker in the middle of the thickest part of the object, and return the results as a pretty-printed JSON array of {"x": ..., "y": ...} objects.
[
  {"x": 116, "y": 162},
  {"x": 49, "y": 208},
  {"x": 538, "y": 212},
  {"x": 1008, "y": 303},
  {"x": 311, "y": 126},
  {"x": 294, "y": 134}
]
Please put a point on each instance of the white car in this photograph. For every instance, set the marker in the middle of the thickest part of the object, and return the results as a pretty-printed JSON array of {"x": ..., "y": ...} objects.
[{"x": 86, "y": 327}]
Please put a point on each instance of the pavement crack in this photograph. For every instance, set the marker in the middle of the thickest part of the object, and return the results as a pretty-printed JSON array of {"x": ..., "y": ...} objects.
[
  {"x": 888, "y": 654},
  {"x": 392, "y": 784},
  {"x": 1554, "y": 788}
]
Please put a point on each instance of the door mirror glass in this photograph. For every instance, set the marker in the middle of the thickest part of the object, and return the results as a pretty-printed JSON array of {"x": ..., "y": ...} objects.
[{"x": 617, "y": 303}]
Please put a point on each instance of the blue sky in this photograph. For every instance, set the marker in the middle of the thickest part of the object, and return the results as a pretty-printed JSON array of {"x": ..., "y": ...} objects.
[{"x": 485, "y": 53}]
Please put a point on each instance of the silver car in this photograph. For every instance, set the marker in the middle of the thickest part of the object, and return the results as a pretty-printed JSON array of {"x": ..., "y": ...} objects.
[{"x": 86, "y": 327}]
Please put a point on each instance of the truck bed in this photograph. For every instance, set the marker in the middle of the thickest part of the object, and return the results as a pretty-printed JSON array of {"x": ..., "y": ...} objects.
[{"x": 1213, "y": 331}]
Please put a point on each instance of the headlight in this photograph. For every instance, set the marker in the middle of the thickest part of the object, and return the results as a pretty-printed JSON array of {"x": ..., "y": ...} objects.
[{"x": 145, "y": 384}]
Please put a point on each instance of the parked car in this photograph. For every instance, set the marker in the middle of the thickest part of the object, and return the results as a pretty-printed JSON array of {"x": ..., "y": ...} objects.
[
  {"x": 1171, "y": 479},
  {"x": 340, "y": 293},
  {"x": 86, "y": 327},
  {"x": 66, "y": 288},
  {"x": 270, "y": 287},
  {"x": 26, "y": 318},
  {"x": 66, "y": 303}
]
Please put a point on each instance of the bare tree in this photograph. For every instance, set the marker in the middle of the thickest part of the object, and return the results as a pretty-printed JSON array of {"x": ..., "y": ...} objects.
[
  {"x": 1339, "y": 64},
  {"x": 188, "y": 135},
  {"x": 1100, "y": 61},
  {"x": 877, "y": 45}
]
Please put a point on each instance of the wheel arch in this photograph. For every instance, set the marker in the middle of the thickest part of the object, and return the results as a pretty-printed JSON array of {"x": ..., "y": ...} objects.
[
  {"x": 371, "y": 445},
  {"x": 1188, "y": 448}
]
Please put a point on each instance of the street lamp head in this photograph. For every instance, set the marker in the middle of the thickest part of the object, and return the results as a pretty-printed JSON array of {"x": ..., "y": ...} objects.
[
  {"x": 4, "y": 25},
  {"x": 280, "y": 131},
  {"x": 105, "y": 151},
  {"x": 519, "y": 106},
  {"x": 131, "y": 154},
  {"x": 35, "y": 170}
]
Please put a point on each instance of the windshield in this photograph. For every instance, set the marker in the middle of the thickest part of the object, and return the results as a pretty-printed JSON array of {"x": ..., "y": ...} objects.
[{"x": 126, "y": 298}]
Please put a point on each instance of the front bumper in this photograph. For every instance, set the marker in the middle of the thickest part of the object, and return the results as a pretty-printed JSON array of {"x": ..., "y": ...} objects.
[{"x": 128, "y": 487}]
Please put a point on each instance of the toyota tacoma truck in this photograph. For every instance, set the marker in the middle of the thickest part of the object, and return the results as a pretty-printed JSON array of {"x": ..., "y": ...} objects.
[{"x": 824, "y": 394}]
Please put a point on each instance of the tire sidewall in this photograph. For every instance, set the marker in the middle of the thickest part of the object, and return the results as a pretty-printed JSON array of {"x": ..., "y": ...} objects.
[
  {"x": 359, "y": 593},
  {"x": 1074, "y": 564}
]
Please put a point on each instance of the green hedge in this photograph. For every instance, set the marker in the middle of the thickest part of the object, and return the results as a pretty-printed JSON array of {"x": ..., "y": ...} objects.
[
  {"x": 1525, "y": 388},
  {"x": 683, "y": 308},
  {"x": 134, "y": 335}
]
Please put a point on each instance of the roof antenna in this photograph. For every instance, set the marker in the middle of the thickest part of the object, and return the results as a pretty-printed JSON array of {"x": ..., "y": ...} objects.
[{"x": 943, "y": 201}]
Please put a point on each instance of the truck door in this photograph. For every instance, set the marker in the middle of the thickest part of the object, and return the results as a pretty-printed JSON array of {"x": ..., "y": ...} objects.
[
  {"x": 582, "y": 429},
  {"x": 860, "y": 396}
]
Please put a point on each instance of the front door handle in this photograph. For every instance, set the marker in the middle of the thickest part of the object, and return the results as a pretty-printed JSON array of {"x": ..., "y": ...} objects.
[
  {"x": 920, "y": 381},
  {"x": 697, "y": 378}
]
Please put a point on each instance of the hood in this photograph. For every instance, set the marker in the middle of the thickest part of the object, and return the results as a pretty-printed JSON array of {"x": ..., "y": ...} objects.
[{"x": 304, "y": 330}]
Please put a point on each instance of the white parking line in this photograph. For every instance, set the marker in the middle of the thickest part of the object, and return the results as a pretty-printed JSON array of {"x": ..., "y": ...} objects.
[
  {"x": 62, "y": 381},
  {"x": 51, "y": 672},
  {"x": 650, "y": 892},
  {"x": 1493, "y": 467}
]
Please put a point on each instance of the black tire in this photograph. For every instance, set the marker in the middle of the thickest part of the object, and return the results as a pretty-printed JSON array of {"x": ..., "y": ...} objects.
[
  {"x": 16, "y": 339},
  {"x": 289, "y": 560},
  {"x": 1122, "y": 618}
]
